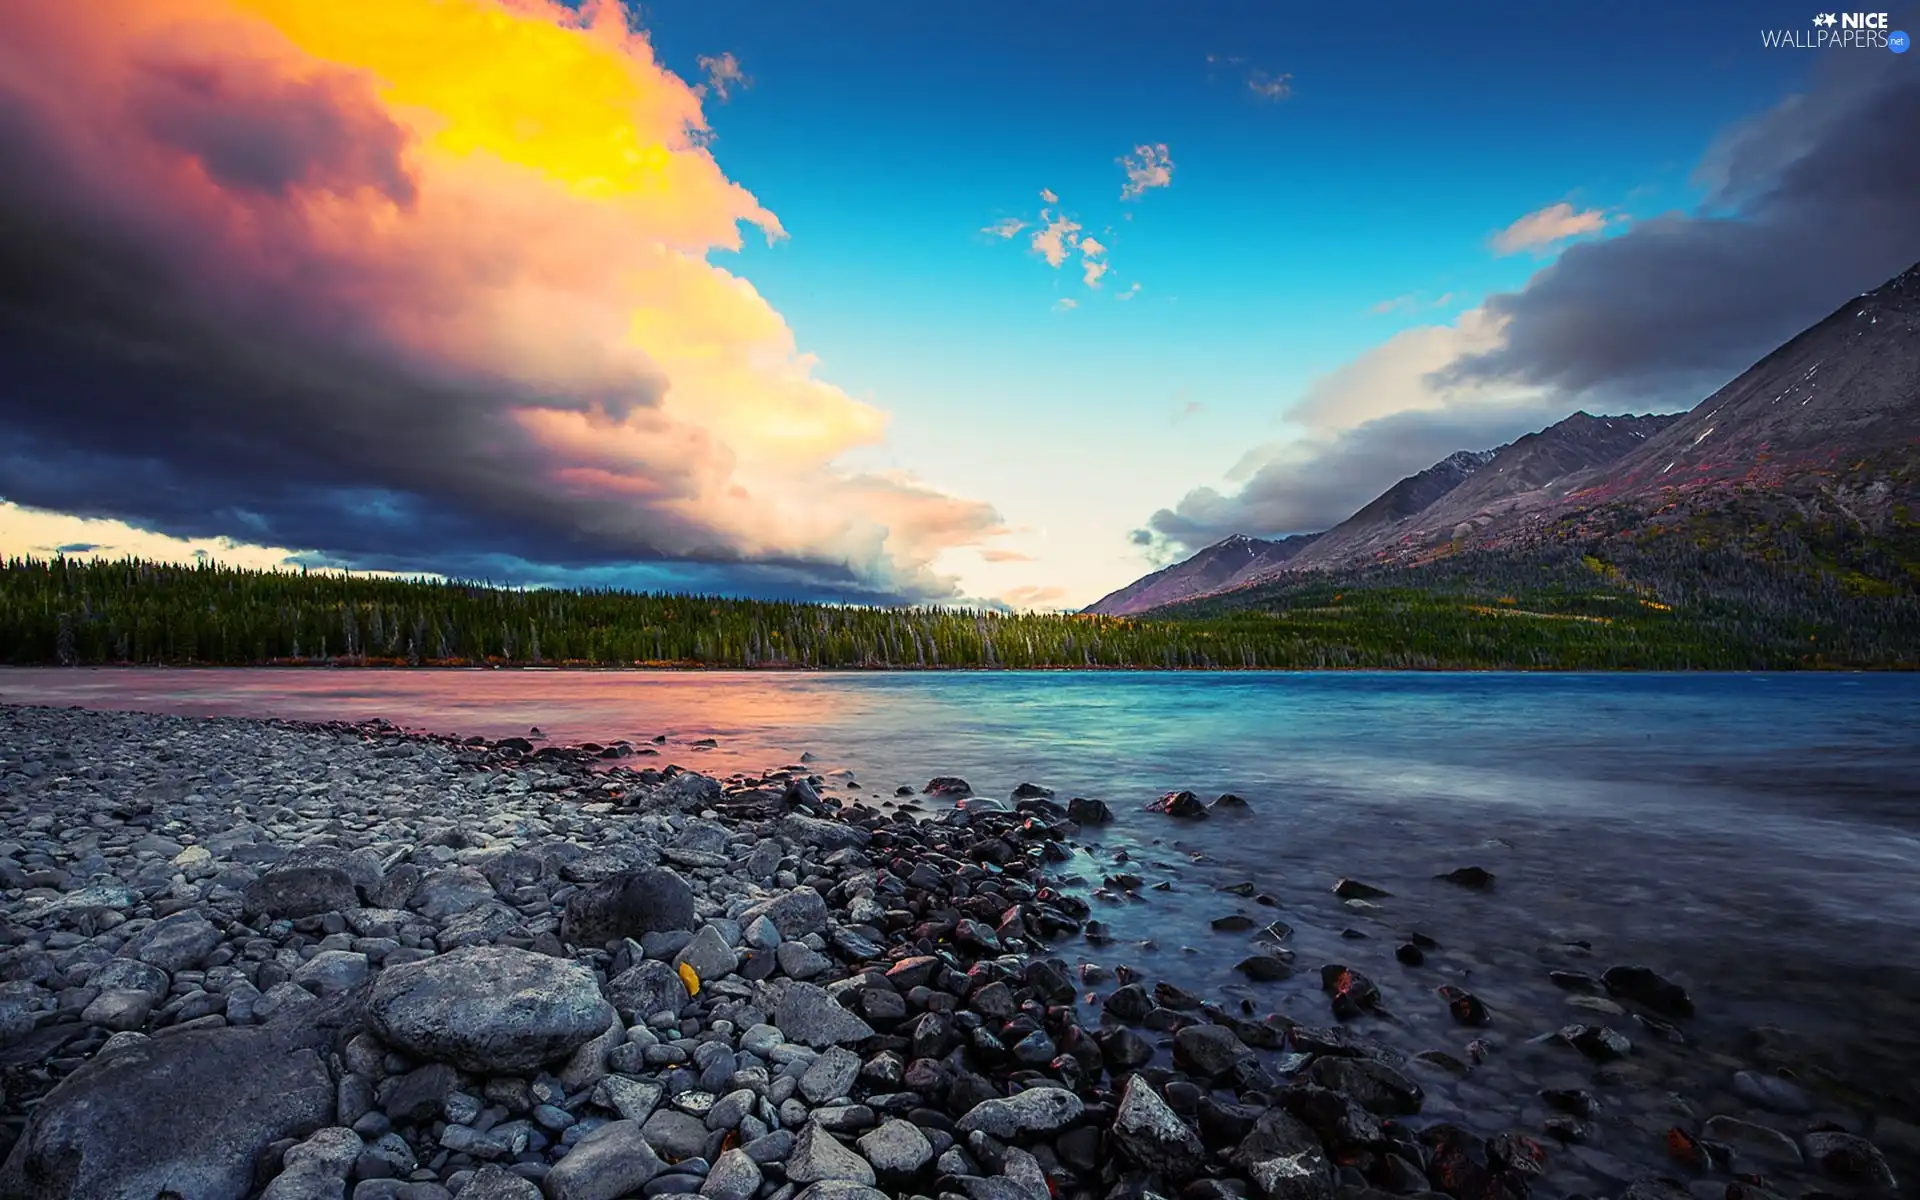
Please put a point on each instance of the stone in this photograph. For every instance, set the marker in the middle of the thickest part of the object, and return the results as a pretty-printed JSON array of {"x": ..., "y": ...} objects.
[
  {"x": 1208, "y": 1051},
  {"x": 1851, "y": 1159},
  {"x": 1643, "y": 986},
  {"x": 674, "y": 1134},
  {"x": 734, "y": 1176},
  {"x": 606, "y": 1164},
  {"x": 1353, "y": 889},
  {"x": 831, "y": 1076},
  {"x": 896, "y": 1149},
  {"x": 1769, "y": 1148},
  {"x": 633, "y": 1099},
  {"x": 810, "y": 1016},
  {"x": 1377, "y": 1087},
  {"x": 1153, "y": 1137},
  {"x": 331, "y": 972},
  {"x": 795, "y": 913},
  {"x": 817, "y": 1155},
  {"x": 420, "y": 1095},
  {"x": 628, "y": 905},
  {"x": 1180, "y": 804},
  {"x": 840, "y": 1189},
  {"x": 489, "y": 1009},
  {"x": 1035, "y": 1112},
  {"x": 187, "y": 1114},
  {"x": 647, "y": 988},
  {"x": 1478, "y": 879},
  {"x": 1284, "y": 1159},
  {"x": 1089, "y": 812},
  {"x": 300, "y": 892},
  {"x": 443, "y": 895},
  {"x": 800, "y": 961},
  {"x": 174, "y": 943},
  {"x": 708, "y": 954},
  {"x": 120, "y": 1009},
  {"x": 492, "y": 1182},
  {"x": 317, "y": 1168}
]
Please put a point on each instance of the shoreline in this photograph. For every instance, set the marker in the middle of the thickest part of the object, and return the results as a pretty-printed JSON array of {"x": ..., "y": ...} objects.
[
  {"x": 1242, "y": 1094},
  {"x": 716, "y": 669}
]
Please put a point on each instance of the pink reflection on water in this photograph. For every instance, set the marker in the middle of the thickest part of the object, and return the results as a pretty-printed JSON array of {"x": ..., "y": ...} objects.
[{"x": 760, "y": 720}]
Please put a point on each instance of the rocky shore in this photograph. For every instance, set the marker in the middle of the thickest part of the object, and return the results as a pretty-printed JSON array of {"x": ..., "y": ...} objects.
[{"x": 264, "y": 959}]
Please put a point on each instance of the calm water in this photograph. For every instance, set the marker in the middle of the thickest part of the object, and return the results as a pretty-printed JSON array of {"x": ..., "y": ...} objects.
[{"x": 1756, "y": 836}]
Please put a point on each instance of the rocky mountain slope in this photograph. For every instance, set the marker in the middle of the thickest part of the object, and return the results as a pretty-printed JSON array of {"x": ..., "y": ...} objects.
[{"x": 1824, "y": 429}]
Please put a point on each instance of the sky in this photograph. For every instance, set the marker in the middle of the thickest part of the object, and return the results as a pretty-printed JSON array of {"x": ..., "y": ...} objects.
[{"x": 988, "y": 303}]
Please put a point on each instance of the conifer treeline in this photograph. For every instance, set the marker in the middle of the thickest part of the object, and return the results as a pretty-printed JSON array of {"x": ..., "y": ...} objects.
[{"x": 81, "y": 612}]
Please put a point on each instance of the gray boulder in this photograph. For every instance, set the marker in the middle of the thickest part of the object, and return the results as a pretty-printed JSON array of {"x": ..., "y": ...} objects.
[
  {"x": 647, "y": 988},
  {"x": 896, "y": 1149},
  {"x": 628, "y": 905},
  {"x": 494, "y": 1183},
  {"x": 317, "y": 1168},
  {"x": 1036, "y": 1112},
  {"x": 300, "y": 892},
  {"x": 817, "y": 1155},
  {"x": 608, "y": 1163},
  {"x": 187, "y": 1114},
  {"x": 708, "y": 954},
  {"x": 734, "y": 1177},
  {"x": 808, "y": 1015},
  {"x": 489, "y": 1009},
  {"x": 1153, "y": 1137},
  {"x": 1284, "y": 1159},
  {"x": 795, "y": 913},
  {"x": 174, "y": 943},
  {"x": 446, "y": 894}
]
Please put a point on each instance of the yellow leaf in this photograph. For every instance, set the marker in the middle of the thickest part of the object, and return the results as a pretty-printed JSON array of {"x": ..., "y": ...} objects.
[{"x": 689, "y": 977}]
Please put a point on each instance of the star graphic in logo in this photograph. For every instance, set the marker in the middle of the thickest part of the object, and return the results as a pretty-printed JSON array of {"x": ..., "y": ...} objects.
[{"x": 1827, "y": 19}]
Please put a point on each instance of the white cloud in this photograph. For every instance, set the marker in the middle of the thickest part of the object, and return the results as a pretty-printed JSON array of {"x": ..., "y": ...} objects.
[
  {"x": 1005, "y": 227},
  {"x": 1270, "y": 87},
  {"x": 1148, "y": 167},
  {"x": 1047, "y": 195},
  {"x": 1054, "y": 240},
  {"x": 1548, "y": 226},
  {"x": 1066, "y": 304},
  {"x": 1132, "y": 291}
]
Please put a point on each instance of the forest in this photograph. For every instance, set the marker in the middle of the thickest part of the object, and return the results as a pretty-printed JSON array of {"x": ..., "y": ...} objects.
[{"x": 1561, "y": 609}]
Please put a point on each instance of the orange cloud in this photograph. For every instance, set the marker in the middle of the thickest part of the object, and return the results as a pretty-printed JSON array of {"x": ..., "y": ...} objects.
[
  {"x": 499, "y": 212},
  {"x": 1148, "y": 167}
]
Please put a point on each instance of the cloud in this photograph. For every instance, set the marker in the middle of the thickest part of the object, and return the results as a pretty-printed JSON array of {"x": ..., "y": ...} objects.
[
  {"x": 1055, "y": 238},
  {"x": 1005, "y": 227},
  {"x": 1547, "y": 227},
  {"x": 723, "y": 75},
  {"x": 1192, "y": 408},
  {"x": 1148, "y": 167},
  {"x": 1047, "y": 195},
  {"x": 1091, "y": 267},
  {"x": 1807, "y": 204},
  {"x": 1046, "y": 598},
  {"x": 1410, "y": 302},
  {"x": 1270, "y": 87},
  {"x": 997, "y": 555},
  {"x": 1133, "y": 289},
  {"x": 1066, "y": 304},
  {"x": 419, "y": 284}
]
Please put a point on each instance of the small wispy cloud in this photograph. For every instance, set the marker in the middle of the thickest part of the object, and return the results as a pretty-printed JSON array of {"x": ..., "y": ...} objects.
[
  {"x": 723, "y": 75},
  {"x": 1411, "y": 302},
  {"x": 1191, "y": 408},
  {"x": 1005, "y": 227},
  {"x": 1046, "y": 194},
  {"x": 1547, "y": 227},
  {"x": 1066, "y": 304},
  {"x": 1270, "y": 87},
  {"x": 1148, "y": 167},
  {"x": 1132, "y": 291},
  {"x": 994, "y": 554}
]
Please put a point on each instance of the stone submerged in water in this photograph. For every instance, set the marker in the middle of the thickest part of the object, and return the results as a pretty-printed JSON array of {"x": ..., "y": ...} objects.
[
  {"x": 1642, "y": 985},
  {"x": 1353, "y": 889},
  {"x": 1180, "y": 804},
  {"x": 489, "y": 1009},
  {"x": 1478, "y": 879}
]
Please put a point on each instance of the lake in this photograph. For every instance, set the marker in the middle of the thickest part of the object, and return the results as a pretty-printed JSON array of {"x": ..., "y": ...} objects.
[{"x": 1755, "y": 836}]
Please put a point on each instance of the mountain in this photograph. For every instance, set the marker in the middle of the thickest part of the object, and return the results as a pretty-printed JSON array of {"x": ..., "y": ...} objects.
[
  {"x": 1521, "y": 474},
  {"x": 1216, "y": 568},
  {"x": 1818, "y": 443}
]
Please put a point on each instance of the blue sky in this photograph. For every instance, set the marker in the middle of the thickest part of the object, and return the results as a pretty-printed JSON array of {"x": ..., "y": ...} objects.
[
  {"x": 887, "y": 138},
  {"x": 1371, "y": 238}
]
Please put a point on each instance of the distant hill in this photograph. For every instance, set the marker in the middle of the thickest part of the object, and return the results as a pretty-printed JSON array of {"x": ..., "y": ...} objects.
[{"x": 1814, "y": 450}]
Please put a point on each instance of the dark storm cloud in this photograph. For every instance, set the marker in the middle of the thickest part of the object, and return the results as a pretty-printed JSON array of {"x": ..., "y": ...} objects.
[
  {"x": 1318, "y": 485},
  {"x": 1812, "y": 202}
]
